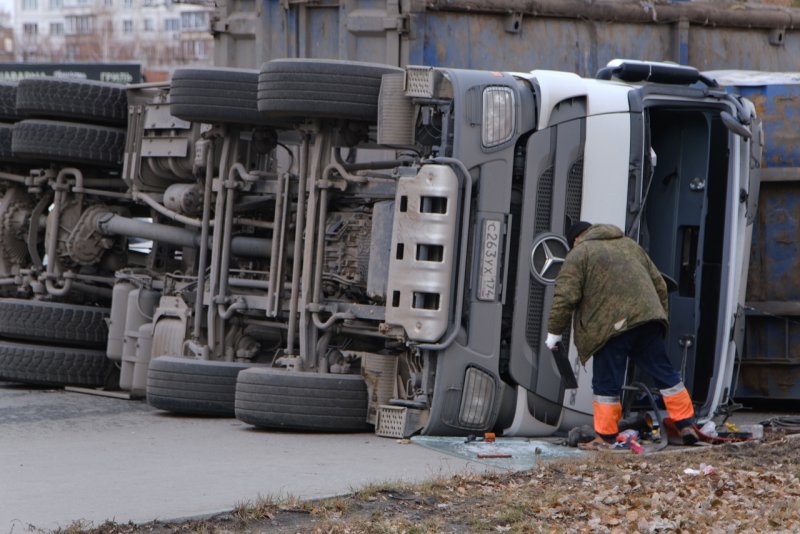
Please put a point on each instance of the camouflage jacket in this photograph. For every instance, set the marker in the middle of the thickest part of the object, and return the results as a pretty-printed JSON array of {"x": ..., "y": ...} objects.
[{"x": 611, "y": 285}]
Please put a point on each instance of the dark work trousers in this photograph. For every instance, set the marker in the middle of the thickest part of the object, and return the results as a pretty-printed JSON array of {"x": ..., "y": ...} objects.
[{"x": 644, "y": 344}]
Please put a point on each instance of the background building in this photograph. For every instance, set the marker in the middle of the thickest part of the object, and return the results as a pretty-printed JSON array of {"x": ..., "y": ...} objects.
[
  {"x": 159, "y": 34},
  {"x": 6, "y": 42}
]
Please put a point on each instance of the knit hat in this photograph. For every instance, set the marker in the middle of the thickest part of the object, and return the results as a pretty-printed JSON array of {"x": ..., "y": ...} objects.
[{"x": 575, "y": 230}]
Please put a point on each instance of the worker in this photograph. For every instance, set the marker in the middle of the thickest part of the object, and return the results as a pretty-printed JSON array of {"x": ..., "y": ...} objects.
[{"x": 617, "y": 301}]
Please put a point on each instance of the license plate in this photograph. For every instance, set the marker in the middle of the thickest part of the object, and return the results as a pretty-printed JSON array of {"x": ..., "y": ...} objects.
[{"x": 490, "y": 257}]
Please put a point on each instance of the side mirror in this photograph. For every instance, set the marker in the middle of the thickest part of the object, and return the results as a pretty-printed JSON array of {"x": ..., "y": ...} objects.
[{"x": 734, "y": 125}]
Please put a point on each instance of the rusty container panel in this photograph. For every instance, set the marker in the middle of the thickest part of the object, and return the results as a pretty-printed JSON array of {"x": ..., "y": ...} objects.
[
  {"x": 774, "y": 274},
  {"x": 506, "y": 34},
  {"x": 379, "y": 32},
  {"x": 778, "y": 106},
  {"x": 770, "y": 365},
  {"x": 770, "y": 368},
  {"x": 711, "y": 47},
  {"x": 494, "y": 42}
]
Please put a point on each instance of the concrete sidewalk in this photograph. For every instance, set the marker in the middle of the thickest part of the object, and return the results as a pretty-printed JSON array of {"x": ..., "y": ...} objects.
[{"x": 68, "y": 456}]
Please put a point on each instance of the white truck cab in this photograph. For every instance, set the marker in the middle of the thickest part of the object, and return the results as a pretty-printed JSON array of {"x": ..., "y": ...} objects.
[{"x": 656, "y": 149}]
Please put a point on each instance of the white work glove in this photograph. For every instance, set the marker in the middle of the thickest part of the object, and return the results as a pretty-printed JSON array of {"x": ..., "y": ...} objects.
[{"x": 552, "y": 340}]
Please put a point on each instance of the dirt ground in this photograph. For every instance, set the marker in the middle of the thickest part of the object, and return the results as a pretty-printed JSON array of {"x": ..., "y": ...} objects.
[{"x": 727, "y": 488}]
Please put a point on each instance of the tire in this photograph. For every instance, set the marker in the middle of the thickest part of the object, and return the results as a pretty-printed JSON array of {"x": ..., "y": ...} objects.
[
  {"x": 63, "y": 98},
  {"x": 70, "y": 142},
  {"x": 327, "y": 89},
  {"x": 195, "y": 387},
  {"x": 54, "y": 366},
  {"x": 8, "y": 102},
  {"x": 5, "y": 141},
  {"x": 53, "y": 322},
  {"x": 274, "y": 398},
  {"x": 216, "y": 95}
]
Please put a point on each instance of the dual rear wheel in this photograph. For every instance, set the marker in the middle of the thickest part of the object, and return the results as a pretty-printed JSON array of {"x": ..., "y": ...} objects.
[
  {"x": 281, "y": 94},
  {"x": 258, "y": 395},
  {"x": 54, "y": 344}
]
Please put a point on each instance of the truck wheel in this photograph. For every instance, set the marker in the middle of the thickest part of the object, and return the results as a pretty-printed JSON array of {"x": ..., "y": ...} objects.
[
  {"x": 55, "y": 366},
  {"x": 53, "y": 322},
  {"x": 274, "y": 398},
  {"x": 189, "y": 386},
  {"x": 326, "y": 89},
  {"x": 86, "y": 100},
  {"x": 216, "y": 95},
  {"x": 68, "y": 142}
]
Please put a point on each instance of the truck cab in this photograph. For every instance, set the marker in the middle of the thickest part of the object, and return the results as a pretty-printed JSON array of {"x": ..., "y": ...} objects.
[{"x": 658, "y": 150}]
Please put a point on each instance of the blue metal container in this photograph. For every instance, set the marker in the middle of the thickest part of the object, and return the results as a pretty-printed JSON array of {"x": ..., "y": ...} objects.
[
  {"x": 509, "y": 35},
  {"x": 770, "y": 365}
]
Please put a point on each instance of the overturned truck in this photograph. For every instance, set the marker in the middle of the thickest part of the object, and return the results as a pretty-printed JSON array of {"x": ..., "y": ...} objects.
[{"x": 337, "y": 246}]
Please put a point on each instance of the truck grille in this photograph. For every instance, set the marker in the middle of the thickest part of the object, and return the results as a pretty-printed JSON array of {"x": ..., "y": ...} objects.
[
  {"x": 574, "y": 191},
  {"x": 544, "y": 206}
]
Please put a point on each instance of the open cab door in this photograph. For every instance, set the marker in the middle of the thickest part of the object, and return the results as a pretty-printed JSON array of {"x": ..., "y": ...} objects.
[
  {"x": 696, "y": 227},
  {"x": 671, "y": 165}
]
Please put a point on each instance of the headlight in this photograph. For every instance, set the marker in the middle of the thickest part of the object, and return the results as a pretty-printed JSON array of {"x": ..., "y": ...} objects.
[
  {"x": 498, "y": 116},
  {"x": 477, "y": 399}
]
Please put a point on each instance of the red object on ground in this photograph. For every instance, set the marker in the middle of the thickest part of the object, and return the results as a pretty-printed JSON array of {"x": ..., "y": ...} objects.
[
  {"x": 674, "y": 434},
  {"x": 636, "y": 446}
]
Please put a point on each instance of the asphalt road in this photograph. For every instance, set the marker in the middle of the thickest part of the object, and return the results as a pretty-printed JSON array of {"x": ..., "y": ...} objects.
[{"x": 67, "y": 457}]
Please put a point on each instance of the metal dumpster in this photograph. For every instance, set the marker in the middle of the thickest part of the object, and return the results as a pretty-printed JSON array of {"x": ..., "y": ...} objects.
[
  {"x": 580, "y": 36},
  {"x": 770, "y": 366}
]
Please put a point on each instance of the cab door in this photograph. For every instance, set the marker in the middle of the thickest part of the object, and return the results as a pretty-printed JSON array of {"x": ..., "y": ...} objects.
[{"x": 696, "y": 230}]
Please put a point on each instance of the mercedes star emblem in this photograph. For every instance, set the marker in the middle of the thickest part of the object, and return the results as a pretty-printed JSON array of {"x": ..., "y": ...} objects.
[{"x": 547, "y": 256}]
